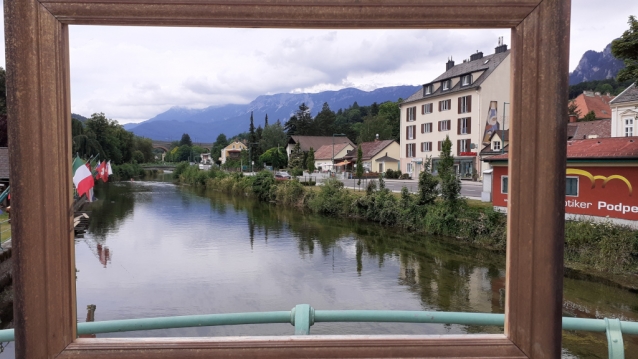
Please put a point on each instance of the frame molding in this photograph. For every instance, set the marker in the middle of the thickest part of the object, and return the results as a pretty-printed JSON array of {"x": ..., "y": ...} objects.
[{"x": 38, "y": 98}]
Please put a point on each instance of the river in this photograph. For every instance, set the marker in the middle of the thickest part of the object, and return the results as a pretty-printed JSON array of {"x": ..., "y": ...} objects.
[{"x": 156, "y": 249}]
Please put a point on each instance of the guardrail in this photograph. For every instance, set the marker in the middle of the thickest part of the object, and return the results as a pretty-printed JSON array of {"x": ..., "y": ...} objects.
[{"x": 303, "y": 316}]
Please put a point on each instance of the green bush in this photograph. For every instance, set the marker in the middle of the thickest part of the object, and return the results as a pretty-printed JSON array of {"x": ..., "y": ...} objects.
[
  {"x": 263, "y": 185},
  {"x": 127, "y": 171},
  {"x": 296, "y": 172}
]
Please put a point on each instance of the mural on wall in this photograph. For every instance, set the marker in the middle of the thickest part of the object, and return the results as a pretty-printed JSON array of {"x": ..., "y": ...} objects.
[
  {"x": 605, "y": 179},
  {"x": 491, "y": 125}
]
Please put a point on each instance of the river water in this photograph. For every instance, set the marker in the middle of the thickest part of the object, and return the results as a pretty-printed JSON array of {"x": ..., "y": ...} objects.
[{"x": 156, "y": 249}]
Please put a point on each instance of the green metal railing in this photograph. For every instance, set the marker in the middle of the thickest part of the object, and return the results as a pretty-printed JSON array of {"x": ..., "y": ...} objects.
[{"x": 303, "y": 316}]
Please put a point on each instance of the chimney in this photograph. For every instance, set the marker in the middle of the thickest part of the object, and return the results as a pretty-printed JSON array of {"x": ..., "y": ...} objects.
[
  {"x": 476, "y": 56},
  {"x": 450, "y": 64},
  {"x": 573, "y": 118},
  {"x": 501, "y": 46}
]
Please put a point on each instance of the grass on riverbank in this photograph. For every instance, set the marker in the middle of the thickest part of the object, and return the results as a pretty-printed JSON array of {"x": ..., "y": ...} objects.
[{"x": 598, "y": 246}]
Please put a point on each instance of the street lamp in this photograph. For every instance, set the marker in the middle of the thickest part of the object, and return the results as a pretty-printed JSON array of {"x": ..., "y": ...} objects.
[{"x": 333, "y": 147}]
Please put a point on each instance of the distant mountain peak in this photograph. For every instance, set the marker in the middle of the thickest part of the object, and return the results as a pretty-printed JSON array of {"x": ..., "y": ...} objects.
[
  {"x": 596, "y": 65},
  {"x": 203, "y": 125}
]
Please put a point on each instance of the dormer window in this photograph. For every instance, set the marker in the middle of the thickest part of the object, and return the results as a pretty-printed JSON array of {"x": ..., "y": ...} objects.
[
  {"x": 446, "y": 84},
  {"x": 466, "y": 80},
  {"x": 496, "y": 145},
  {"x": 427, "y": 90}
]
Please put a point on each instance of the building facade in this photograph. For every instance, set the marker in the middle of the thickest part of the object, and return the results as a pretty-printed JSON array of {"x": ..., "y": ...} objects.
[
  {"x": 590, "y": 101},
  {"x": 325, "y": 156},
  {"x": 601, "y": 178},
  {"x": 466, "y": 103},
  {"x": 624, "y": 113},
  {"x": 232, "y": 151}
]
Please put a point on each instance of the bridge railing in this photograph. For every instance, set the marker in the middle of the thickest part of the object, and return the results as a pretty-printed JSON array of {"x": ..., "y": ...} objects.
[{"x": 303, "y": 316}]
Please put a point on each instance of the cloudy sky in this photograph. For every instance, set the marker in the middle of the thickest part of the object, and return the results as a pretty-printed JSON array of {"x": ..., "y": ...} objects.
[{"x": 133, "y": 73}]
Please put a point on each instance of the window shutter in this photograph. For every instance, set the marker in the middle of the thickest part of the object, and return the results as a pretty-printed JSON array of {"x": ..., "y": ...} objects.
[
  {"x": 449, "y": 123},
  {"x": 439, "y": 126},
  {"x": 460, "y": 104},
  {"x": 422, "y": 109},
  {"x": 458, "y": 126},
  {"x": 406, "y": 132},
  {"x": 439, "y": 145},
  {"x": 414, "y": 112},
  {"x": 458, "y": 147},
  {"x": 469, "y": 125},
  {"x": 469, "y": 103},
  {"x": 406, "y": 150},
  {"x": 467, "y": 145},
  {"x": 440, "y": 103}
]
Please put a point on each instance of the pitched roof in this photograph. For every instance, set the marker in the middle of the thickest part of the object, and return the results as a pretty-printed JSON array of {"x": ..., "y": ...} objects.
[
  {"x": 590, "y": 101},
  {"x": 595, "y": 148},
  {"x": 630, "y": 94},
  {"x": 370, "y": 149},
  {"x": 503, "y": 135},
  {"x": 463, "y": 68},
  {"x": 305, "y": 142},
  {"x": 589, "y": 129},
  {"x": 325, "y": 152},
  {"x": 4, "y": 162}
]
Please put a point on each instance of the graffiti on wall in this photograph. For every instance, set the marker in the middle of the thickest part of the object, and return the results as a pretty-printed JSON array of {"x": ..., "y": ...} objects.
[
  {"x": 491, "y": 124},
  {"x": 605, "y": 179}
]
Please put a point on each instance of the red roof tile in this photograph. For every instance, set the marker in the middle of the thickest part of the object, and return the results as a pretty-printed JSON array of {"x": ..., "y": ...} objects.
[
  {"x": 589, "y": 101},
  {"x": 595, "y": 148}
]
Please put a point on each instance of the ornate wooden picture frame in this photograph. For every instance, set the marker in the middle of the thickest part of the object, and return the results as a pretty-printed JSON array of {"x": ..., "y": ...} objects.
[{"x": 38, "y": 97}]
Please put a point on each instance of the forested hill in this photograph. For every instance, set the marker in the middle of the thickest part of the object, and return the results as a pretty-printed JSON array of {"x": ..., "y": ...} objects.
[{"x": 204, "y": 125}]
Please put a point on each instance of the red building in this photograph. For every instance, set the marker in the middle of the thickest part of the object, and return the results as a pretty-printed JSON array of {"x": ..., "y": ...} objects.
[{"x": 602, "y": 175}]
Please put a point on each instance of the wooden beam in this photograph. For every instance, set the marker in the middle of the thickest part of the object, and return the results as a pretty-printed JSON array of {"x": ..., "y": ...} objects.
[
  {"x": 40, "y": 152},
  {"x": 536, "y": 207}
]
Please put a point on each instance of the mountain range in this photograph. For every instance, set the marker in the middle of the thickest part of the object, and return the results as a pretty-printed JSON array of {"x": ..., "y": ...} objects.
[
  {"x": 596, "y": 66},
  {"x": 204, "y": 125}
]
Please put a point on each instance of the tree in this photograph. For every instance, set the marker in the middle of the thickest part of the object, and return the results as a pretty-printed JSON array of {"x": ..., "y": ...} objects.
[
  {"x": 450, "y": 182},
  {"x": 626, "y": 48},
  {"x": 186, "y": 140},
  {"x": 590, "y": 116},
  {"x": 273, "y": 136},
  {"x": 373, "y": 126},
  {"x": 4, "y": 135},
  {"x": 324, "y": 121},
  {"x": 310, "y": 161},
  {"x": 296, "y": 157},
  {"x": 138, "y": 156},
  {"x": 266, "y": 121},
  {"x": 572, "y": 109},
  {"x": 183, "y": 153},
  {"x": 300, "y": 123},
  {"x": 253, "y": 151},
  {"x": 428, "y": 191},
  {"x": 391, "y": 111},
  {"x": 359, "y": 171},
  {"x": 276, "y": 157},
  {"x": 3, "y": 91}
]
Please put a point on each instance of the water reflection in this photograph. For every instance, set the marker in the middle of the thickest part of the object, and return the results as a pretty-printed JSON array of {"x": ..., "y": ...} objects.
[{"x": 182, "y": 251}]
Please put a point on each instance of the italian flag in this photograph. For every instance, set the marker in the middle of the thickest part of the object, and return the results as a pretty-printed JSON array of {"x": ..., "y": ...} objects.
[{"x": 82, "y": 178}]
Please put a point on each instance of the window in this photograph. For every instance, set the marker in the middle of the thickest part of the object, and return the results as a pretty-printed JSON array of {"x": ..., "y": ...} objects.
[
  {"x": 409, "y": 132},
  {"x": 464, "y": 145},
  {"x": 464, "y": 126},
  {"x": 445, "y": 105},
  {"x": 427, "y": 108},
  {"x": 426, "y": 127},
  {"x": 440, "y": 145},
  {"x": 409, "y": 168},
  {"x": 446, "y": 84},
  {"x": 410, "y": 150},
  {"x": 504, "y": 184},
  {"x": 465, "y": 104},
  {"x": 572, "y": 186},
  {"x": 496, "y": 145},
  {"x": 445, "y": 125},
  {"x": 426, "y": 146},
  {"x": 466, "y": 80},
  {"x": 427, "y": 90},
  {"x": 629, "y": 127},
  {"x": 411, "y": 114}
]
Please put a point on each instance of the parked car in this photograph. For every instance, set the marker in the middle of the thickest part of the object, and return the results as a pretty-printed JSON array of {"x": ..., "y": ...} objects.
[{"x": 283, "y": 175}]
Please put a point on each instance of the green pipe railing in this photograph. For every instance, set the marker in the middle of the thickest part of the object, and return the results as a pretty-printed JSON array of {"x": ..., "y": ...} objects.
[{"x": 303, "y": 316}]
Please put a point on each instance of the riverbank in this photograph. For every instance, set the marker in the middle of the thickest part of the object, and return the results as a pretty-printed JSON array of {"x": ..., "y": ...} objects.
[{"x": 608, "y": 249}]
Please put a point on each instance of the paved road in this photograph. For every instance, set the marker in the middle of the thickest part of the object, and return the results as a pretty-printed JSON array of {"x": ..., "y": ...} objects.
[{"x": 468, "y": 189}]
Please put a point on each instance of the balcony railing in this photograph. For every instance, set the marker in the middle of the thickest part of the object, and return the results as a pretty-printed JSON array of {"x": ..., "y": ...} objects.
[{"x": 303, "y": 316}]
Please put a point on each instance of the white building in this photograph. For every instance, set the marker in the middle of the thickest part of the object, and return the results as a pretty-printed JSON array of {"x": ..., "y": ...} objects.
[
  {"x": 624, "y": 113},
  {"x": 465, "y": 103}
]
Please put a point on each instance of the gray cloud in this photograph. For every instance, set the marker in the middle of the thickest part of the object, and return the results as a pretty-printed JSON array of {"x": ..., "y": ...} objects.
[{"x": 134, "y": 73}]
